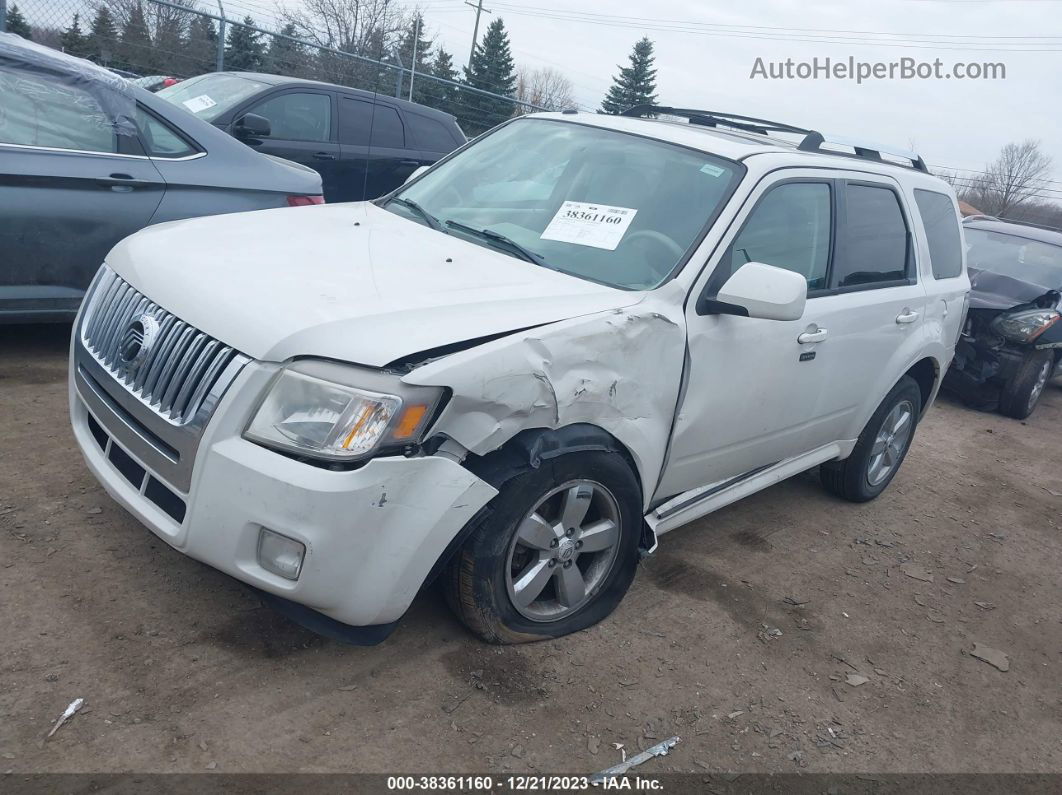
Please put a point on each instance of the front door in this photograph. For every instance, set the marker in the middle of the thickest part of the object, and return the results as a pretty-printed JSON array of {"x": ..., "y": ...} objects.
[
  {"x": 302, "y": 130},
  {"x": 753, "y": 395}
]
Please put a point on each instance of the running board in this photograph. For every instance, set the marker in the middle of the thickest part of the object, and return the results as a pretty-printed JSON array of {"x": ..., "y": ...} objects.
[{"x": 694, "y": 504}]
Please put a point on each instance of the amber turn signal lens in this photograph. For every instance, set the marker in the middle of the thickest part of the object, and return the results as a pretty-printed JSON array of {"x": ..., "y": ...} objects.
[{"x": 408, "y": 421}]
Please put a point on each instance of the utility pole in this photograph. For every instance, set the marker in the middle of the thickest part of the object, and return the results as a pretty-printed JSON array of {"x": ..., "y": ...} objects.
[
  {"x": 219, "y": 65},
  {"x": 478, "y": 5},
  {"x": 413, "y": 65},
  {"x": 3, "y": 15}
]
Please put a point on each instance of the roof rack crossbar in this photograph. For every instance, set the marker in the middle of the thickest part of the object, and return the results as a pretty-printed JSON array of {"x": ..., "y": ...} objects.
[{"x": 812, "y": 141}]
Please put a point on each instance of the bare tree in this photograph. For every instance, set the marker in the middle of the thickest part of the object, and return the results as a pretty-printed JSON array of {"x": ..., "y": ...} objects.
[
  {"x": 546, "y": 88},
  {"x": 356, "y": 26},
  {"x": 1011, "y": 180}
]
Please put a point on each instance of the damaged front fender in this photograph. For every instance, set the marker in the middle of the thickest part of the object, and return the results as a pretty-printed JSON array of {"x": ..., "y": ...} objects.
[{"x": 618, "y": 370}]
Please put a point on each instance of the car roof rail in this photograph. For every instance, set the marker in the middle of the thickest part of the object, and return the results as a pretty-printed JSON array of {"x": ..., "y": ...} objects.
[
  {"x": 981, "y": 217},
  {"x": 812, "y": 141}
]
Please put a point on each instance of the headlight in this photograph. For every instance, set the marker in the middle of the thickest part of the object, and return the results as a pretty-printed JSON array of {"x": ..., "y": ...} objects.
[
  {"x": 1025, "y": 326},
  {"x": 339, "y": 412}
]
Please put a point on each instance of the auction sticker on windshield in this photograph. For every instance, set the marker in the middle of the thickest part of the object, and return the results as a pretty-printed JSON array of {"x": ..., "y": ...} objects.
[
  {"x": 597, "y": 225},
  {"x": 196, "y": 104}
]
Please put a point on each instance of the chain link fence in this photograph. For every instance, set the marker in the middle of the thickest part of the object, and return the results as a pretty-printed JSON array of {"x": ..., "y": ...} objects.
[{"x": 185, "y": 38}]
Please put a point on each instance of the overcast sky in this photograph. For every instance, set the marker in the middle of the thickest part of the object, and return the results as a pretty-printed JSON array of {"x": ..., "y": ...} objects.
[{"x": 953, "y": 123}]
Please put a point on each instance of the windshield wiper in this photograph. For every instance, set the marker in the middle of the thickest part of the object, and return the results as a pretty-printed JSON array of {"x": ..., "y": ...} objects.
[
  {"x": 501, "y": 241},
  {"x": 429, "y": 219}
]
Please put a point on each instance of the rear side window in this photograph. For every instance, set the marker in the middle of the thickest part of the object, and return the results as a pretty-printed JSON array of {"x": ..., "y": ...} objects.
[
  {"x": 298, "y": 116},
  {"x": 39, "y": 110},
  {"x": 789, "y": 228},
  {"x": 430, "y": 134},
  {"x": 355, "y": 121},
  {"x": 942, "y": 231},
  {"x": 873, "y": 240},
  {"x": 387, "y": 129}
]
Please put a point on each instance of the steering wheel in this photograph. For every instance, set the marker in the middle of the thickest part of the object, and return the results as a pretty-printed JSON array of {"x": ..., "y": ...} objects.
[{"x": 657, "y": 237}]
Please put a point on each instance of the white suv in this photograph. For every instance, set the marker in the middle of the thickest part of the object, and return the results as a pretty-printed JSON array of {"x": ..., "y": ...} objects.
[{"x": 520, "y": 369}]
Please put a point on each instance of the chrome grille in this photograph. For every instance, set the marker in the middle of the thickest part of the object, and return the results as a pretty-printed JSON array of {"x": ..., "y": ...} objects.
[{"x": 181, "y": 364}]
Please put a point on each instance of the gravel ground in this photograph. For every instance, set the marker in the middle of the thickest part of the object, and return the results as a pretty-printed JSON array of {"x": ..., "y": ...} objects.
[{"x": 878, "y": 608}]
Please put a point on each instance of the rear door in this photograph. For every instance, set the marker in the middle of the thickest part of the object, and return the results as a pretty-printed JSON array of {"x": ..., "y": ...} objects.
[
  {"x": 70, "y": 188},
  {"x": 302, "y": 129},
  {"x": 377, "y": 146},
  {"x": 872, "y": 313}
]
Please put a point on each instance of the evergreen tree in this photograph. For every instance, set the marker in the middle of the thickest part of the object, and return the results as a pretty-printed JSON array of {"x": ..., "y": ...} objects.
[
  {"x": 74, "y": 41},
  {"x": 17, "y": 24},
  {"x": 435, "y": 94},
  {"x": 169, "y": 44},
  {"x": 103, "y": 38},
  {"x": 635, "y": 84},
  {"x": 200, "y": 46},
  {"x": 284, "y": 56},
  {"x": 413, "y": 38},
  {"x": 244, "y": 50},
  {"x": 491, "y": 69},
  {"x": 135, "y": 48}
]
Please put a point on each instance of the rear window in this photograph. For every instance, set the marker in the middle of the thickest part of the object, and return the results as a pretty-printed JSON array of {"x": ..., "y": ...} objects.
[
  {"x": 942, "y": 232},
  {"x": 873, "y": 238},
  {"x": 430, "y": 134}
]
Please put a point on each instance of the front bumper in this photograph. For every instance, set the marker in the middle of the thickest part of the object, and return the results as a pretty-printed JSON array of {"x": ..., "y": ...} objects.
[{"x": 371, "y": 534}]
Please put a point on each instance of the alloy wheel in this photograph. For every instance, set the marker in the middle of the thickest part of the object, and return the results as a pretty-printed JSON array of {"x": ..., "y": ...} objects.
[
  {"x": 890, "y": 442},
  {"x": 563, "y": 551}
]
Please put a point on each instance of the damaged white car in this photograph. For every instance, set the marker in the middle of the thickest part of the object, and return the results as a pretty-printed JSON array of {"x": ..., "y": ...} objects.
[{"x": 516, "y": 372}]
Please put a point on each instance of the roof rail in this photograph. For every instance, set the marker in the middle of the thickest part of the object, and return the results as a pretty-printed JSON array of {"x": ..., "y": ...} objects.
[
  {"x": 812, "y": 142},
  {"x": 981, "y": 217}
]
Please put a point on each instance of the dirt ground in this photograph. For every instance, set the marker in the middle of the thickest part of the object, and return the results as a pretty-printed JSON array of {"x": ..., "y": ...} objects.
[{"x": 182, "y": 670}]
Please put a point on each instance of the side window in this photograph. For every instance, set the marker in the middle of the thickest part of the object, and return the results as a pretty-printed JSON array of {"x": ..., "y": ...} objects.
[
  {"x": 387, "y": 129},
  {"x": 789, "y": 228},
  {"x": 942, "y": 231},
  {"x": 355, "y": 121},
  {"x": 873, "y": 240},
  {"x": 38, "y": 110},
  {"x": 297, "y": 116},
  {"x": 159, "y": 139},
  {"x": 430, "y": 134}
]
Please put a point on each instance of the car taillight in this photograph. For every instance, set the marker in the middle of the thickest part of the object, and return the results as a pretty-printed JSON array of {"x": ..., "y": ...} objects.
[{"x": 304, "y": 201}]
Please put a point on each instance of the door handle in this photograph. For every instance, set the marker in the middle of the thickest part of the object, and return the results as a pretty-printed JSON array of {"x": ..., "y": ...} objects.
[
  {"x": 323, "y": 156},
  {"x": 812, "y": 336},
  {"x": 409, "y": 163},
  {"x": 906, "y": 316},
  {"x": 122, "y": 181}
]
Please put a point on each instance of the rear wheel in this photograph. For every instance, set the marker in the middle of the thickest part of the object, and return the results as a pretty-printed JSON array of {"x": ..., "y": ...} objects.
[
  {"x": 553, "y": 553},
  {"x": 881, "y": 448},
  {"x": 1022, "y": 392}
]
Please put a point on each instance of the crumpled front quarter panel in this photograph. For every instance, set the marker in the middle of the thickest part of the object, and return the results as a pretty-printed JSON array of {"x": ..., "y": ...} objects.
[{"x": 620, "y": 370}]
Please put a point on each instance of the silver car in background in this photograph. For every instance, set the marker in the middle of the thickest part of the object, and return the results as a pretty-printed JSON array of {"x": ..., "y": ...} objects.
[{"x": 87, "y": 158}]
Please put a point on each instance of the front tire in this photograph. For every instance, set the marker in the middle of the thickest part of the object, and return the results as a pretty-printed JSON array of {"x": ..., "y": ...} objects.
[
  {"x": 1022, "y": 392},
  {"x": 881, "y": 448},
  {"x": 553, "y": 553}
]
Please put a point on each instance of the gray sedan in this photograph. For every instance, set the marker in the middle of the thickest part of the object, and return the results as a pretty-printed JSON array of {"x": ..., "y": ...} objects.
[{"x": 87, "y": 158}]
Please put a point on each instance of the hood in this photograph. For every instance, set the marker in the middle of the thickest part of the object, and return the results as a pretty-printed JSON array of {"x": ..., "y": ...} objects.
[
  {"x": 345, "y": 281},
  {"x": 991, "y": 290}
]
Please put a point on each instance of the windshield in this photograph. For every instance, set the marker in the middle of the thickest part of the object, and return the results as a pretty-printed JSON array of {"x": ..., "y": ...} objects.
[
  {"x": 1017, "y": 257},
  {"x": 603, "y": 205},
  {"x": 208, "y": 96}
]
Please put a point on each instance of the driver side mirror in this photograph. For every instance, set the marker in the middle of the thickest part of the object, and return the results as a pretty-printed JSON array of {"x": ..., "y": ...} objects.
[
  {"x": 759, "y": 290},
  {"x": 251, "y": 125}
]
